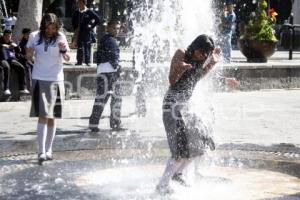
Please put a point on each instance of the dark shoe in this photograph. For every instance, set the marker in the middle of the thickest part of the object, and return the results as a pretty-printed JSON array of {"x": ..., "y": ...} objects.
[
  {"x": 118, "y": 128},
  {"x": 178, "y": 178},
  {"x": 87, "y": 64},
  {"x": 94, "y": 129},
  {"x": 78, "y": 64},
  {"x": 41, "y": 158},
  {"x": 164, "y": 190}
]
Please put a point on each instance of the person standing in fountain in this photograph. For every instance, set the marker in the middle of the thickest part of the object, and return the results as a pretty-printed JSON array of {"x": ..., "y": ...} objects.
[
  {"x": 49, "y": 47},
  {"x": 108, "y": 71},
  {"x": 84, "y": 21},
  {"x": 227, "y": 25},
  {"x": 186, "y": 137}
]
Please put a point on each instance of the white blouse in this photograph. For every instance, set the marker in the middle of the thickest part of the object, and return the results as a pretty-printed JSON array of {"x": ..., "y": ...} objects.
[{"x": 48, "y": 62}]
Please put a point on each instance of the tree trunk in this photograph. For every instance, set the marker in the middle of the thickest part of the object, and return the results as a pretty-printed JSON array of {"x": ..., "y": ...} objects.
[{"x": 29, "y": 16}]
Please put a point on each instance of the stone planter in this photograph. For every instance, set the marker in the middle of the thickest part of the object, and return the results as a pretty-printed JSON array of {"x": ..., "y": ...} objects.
[{"x": 257, "y": 50}]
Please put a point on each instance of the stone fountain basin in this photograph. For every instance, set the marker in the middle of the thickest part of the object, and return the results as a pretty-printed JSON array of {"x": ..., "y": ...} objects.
[{"x": 132, "y": 174}]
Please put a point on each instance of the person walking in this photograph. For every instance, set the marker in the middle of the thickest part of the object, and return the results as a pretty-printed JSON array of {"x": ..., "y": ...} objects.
[
  {"x": 49, "y": 47},
  {"x": 108, "y": 70},
  {"x": 187, "y": 137},
  {"x": 84, "y": 21}
]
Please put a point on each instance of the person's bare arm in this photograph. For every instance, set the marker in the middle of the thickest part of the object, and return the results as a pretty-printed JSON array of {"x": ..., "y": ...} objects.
[
  {"x": 29, "y": 54},
  {"x": 230, "y": 82},
  {"x": 66, "y": 57},
  {"x": 63, "y": 50},
  {"x": 178, "y": 66}
]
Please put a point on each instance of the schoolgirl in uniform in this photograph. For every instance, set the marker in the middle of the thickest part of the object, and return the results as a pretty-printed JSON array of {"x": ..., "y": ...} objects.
[{"x": 49, "y": 48}]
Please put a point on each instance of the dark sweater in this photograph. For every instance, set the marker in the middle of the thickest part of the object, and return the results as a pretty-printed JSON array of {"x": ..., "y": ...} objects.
[
  {"x": 22, "y": 47},
  {"x": 108, "y": 51},
  {"x": 7, "y": 53},
  {"x": 85, "y": 21},
  {"x": 187, "y": 82}
]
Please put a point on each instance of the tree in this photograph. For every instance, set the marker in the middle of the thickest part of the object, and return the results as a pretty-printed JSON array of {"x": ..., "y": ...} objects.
[{"x": 29, "y": 16}]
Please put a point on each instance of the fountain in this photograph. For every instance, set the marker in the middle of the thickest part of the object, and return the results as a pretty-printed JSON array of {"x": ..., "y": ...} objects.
[{"x": 128, "y": 164}]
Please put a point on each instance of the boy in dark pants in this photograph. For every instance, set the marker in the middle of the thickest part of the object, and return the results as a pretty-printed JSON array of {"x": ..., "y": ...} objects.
[
  {"x": 21, "y": 55},
  {"x": 84, "y": 21},
  {"x": 108, "y": 74}
]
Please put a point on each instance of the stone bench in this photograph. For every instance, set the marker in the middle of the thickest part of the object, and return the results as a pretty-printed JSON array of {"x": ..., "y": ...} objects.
[{"x": 80, "y": 80}]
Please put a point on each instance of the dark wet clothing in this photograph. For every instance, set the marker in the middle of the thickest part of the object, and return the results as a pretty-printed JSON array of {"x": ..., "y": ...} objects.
[{"x": 184, "y": 132}]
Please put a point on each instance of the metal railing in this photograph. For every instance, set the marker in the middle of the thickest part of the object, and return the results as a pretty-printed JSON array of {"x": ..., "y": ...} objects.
[{"x": 289, "y": 27}]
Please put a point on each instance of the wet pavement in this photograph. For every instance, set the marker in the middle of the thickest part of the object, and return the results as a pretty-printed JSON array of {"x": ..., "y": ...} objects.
[
  {"x": 257, "y": 157},
  {"x": 132, "y": 174},
  {"x": 264, "y": 118}
]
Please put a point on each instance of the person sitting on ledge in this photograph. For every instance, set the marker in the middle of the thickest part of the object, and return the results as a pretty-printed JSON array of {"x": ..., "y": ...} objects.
[
  {"x": 9, "y": 61},
  {"x": 21, "y": 55}
]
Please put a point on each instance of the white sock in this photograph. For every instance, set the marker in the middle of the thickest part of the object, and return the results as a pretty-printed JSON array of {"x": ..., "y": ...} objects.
[
  {"x": 50, "y": 137},
  {"x": 171, "y": 168},
  {"x": 41, "y": 135}
]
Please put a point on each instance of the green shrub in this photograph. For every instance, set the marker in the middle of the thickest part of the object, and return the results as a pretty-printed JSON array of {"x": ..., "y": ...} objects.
[{"x": 261, "y": 26}]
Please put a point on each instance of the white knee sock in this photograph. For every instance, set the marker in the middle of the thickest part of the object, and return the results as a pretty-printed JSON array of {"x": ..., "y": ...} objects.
[
  {"x": 41, "y": 135},
  {"x": 171, "y": 168},
  {"x": 50, "y": 137}
]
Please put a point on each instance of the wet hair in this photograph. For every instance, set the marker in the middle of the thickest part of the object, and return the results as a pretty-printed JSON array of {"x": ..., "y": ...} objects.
[
  {"x": 48, "y": 19},
  {"x": 203, "y": 42},
  {"x": 7, "y": 31},
  {"x": 26, "y": 31}
]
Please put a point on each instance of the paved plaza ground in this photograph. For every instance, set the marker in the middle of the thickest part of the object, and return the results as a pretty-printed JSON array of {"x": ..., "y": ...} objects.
[{"x": 258, "y": 117}]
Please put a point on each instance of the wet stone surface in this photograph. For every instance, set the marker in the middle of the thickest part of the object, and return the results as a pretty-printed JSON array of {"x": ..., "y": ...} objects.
[{"x": 133, "y": 174}]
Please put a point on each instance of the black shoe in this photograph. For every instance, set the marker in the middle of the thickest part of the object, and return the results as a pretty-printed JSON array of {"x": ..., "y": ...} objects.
[
  {"x": 87, "y": 64},
  {"x": 118, "y": 128},
  {"x": 178, "y": 178},
  {"x": 78, "y": 64},
  {"x": 41, "y": 158},
  {"x": 94, "y": 129},
  {"x": 164, "y": 190}
]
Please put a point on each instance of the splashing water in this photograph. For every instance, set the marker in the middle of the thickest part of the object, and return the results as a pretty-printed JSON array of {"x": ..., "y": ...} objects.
[
  {"x": 162, "y": 26},
  {"x": 216, "y": 183}
]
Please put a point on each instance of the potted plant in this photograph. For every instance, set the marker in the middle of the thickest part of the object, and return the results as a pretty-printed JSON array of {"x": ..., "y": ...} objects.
[{"x": 258, "y": 41}]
